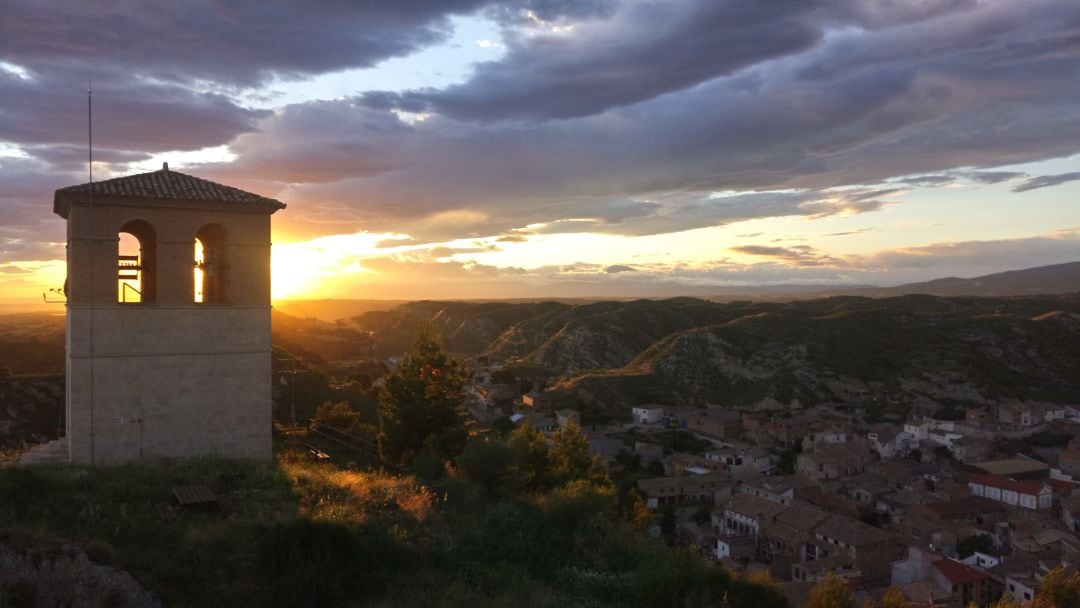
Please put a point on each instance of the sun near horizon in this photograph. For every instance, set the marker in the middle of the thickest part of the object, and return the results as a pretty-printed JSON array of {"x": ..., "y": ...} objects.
[{"x": 471, "y": 152}]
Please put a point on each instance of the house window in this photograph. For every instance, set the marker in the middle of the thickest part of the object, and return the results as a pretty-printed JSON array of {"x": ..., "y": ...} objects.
[
  {"x": 211, "y": 265},
  {"x": 136, "y": 263}
]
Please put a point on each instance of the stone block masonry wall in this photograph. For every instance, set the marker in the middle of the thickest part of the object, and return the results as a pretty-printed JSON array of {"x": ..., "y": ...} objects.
[
  {"x": 169, "y": 375},
  {"x": 169, "y": 381}
]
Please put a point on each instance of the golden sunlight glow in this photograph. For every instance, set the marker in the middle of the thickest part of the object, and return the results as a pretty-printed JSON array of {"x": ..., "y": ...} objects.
[
  {"x": 293, "y": 270},
  {"x": 129, "y": 288},
  {"x": 30, "y": 280},
  {"x": 200, "y": 259},
  {"x": 308, "y": 269}
]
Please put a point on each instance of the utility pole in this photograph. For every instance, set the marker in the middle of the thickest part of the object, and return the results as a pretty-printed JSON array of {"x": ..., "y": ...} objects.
[{"x": 292, "y": 371}]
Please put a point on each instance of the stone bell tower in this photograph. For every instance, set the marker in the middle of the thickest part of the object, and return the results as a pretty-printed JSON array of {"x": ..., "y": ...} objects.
[{"x": 168, "y": 318}]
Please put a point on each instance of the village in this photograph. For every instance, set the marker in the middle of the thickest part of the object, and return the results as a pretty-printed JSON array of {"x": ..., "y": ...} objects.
[{"x": 920, "y": 504}]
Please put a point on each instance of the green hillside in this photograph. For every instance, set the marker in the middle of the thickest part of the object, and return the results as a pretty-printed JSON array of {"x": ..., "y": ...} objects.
[{"x": 300, "y": 533}]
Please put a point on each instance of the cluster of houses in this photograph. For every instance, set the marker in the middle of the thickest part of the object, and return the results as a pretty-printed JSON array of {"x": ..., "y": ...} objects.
[{"x": 917, "y": 505}]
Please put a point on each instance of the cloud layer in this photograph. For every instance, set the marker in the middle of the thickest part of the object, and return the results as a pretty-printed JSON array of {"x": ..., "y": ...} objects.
[{"x": 625, "y": 117}]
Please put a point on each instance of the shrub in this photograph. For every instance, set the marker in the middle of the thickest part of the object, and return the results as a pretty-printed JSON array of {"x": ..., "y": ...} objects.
[
  {"x": 337, "y": 415},
  {"x": 485, "y": 462}
]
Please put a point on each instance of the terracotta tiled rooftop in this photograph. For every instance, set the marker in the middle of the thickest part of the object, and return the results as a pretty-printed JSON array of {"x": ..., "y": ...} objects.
[
  {"x": 1010, "y": 466},
  {"x": 802, "y": 516},
  {"x": 1007, "y": 483},
  {"x": 852, "y": 532},
  {"x": 752, "y": 506},
  {"x": 968, "y": 505},
  {"x": 958, "y": 573},
  {"x": 161, "y": 185}
]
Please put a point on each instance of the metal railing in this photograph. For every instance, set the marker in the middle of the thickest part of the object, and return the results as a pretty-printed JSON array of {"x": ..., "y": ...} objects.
[{"x": 124, "y": 292}]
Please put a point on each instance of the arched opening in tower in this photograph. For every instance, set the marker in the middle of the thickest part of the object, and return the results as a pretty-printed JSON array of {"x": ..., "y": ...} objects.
[
  {"x": 211, "y": 266},
  {"x": 136, "y": 263}
]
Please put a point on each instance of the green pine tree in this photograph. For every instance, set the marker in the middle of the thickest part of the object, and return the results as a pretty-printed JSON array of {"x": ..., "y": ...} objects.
[{"x": 420, "y": 404}]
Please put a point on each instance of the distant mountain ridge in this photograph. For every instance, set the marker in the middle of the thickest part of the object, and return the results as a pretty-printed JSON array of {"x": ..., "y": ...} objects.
[
  {"x": 1041, "y": 280},
  {"x": 604, "y": 357}
]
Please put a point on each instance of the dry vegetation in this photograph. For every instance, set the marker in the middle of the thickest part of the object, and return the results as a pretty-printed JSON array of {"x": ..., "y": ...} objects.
[{"x": 302, "y": 533}]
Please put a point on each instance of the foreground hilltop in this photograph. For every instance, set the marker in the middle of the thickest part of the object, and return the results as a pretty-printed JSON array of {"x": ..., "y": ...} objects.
[{"x": 914, "y": 349}]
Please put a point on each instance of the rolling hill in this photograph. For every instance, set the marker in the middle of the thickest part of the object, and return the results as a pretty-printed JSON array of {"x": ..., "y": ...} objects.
[{"x": 908, "y": 350}]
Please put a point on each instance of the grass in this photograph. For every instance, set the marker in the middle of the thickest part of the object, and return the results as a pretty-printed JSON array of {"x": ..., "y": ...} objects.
[
  {"x": 121, "y": 516},
  {"x": 295, "y": 532}
]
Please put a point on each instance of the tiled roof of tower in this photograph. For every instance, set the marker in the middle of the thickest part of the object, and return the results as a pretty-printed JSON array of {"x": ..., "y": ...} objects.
[{"x": 162, "y": 185}]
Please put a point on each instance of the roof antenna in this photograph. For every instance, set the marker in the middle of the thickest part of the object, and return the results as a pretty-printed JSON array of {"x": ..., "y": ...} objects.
[
  {"x": 93, "y": 250},
  {"x": 90, "y": 133}
]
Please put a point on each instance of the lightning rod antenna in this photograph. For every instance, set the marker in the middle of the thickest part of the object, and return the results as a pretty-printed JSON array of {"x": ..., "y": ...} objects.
[
  {"x": 93, "y": 251},
  {"x": 90, "y": 132}
]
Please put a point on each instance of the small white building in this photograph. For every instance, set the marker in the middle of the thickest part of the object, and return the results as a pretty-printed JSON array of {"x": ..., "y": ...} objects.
[
  {"x": 1021, "y": 588},
  {"x": 647, "y": 414},
  {"x": 1033, "y": 495},
  {"x": 735, "y": 546},
  {"x": 918, "y": 429},
  {"x": 981, "y": 560},
  {"x": 1055, "y": 412},
  {"x": 943, "y": 437},
  {"x": 889, "y": 442}
]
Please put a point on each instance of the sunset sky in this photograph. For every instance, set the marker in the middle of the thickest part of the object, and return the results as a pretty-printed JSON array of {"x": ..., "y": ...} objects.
[{"x": 471, "y": 149}]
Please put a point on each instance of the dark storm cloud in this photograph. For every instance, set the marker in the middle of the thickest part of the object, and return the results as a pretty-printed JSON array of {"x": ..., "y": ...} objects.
[
  {"x": 74, "y": 158},
  {"x": 28, "y": 229},
  {"x": 644, "y": 50},
  {"x": 230, "y": 42},
  {"x": 163, "y": 73},
  {"x": 525, "y": 13},
  {"x": 50, "y": 107},
  {"x": 361, "y": 143},
  {"x": 632, "y": 119},
  {"x": 1045, "y": 181},
  {"x": 861, "y": 107}
]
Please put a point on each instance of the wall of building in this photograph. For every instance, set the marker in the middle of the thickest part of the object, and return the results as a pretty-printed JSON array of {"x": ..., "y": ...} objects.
[
  {"x": 171, "y": 377},
  {"x": 93, "y": 236},
  {"x": 169, "y": 382}
]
